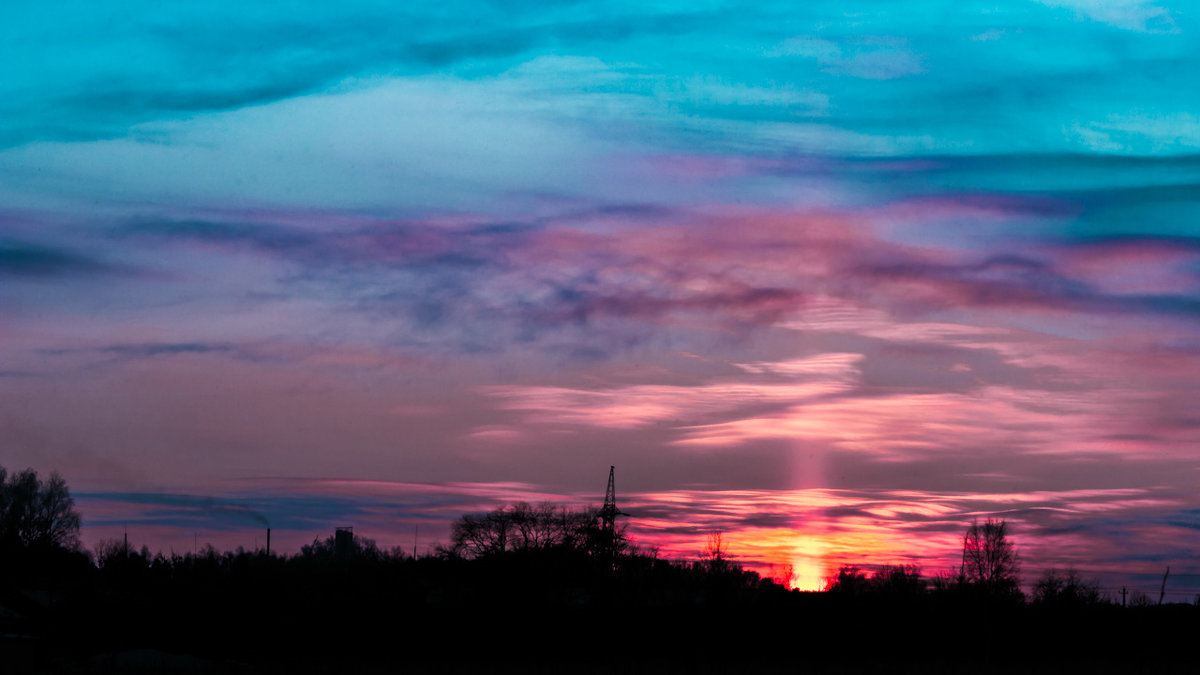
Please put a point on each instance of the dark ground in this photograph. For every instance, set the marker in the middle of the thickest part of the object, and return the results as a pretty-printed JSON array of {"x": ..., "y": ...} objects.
[{"x": 549, "y": 612}]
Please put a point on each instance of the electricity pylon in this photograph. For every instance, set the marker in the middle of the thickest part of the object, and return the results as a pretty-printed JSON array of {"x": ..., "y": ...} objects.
[{"x": 609, "y": 512}]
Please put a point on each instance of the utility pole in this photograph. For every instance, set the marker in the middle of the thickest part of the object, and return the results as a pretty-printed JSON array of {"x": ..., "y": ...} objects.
[
  {"x": 1163, "y": 591},
  {"x": 1122, "y": 596},
  {"x": 962, "y": 569}
]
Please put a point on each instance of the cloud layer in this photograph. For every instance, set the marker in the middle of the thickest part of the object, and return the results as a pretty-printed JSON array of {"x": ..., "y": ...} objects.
[{"x": 833, "y": 280}]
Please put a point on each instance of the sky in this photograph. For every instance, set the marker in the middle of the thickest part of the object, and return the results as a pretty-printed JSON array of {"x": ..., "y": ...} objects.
[{"x": 831, "y": 278}]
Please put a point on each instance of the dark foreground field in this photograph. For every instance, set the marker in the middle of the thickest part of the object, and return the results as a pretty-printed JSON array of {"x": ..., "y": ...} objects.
[{"x": 544, "y": 612}]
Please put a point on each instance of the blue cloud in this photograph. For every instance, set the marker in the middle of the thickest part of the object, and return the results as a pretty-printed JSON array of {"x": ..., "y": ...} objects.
[{"x": 22, "y": 259}]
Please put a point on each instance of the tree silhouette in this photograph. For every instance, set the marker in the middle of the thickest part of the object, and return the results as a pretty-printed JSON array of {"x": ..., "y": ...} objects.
[
  {"x": 849, "y": 580},
  {"x": 990, "y": 559},
  {"x": 896, "y": 582},
  {"x": 36, "y": 514},
  {"x": 715, "y": 555},
  {"x": 522, "y": 527},
  {"x": 1065, "y": 588}
]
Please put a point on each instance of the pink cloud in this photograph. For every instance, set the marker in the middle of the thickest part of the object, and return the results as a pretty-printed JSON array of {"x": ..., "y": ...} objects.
[
  {"x": 638, "y": 405},
  {"x": 1134, "y": 267}
]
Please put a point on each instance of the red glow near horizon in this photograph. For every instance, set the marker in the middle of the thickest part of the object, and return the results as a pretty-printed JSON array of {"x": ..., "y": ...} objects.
[{"x": 811, "y": 533}]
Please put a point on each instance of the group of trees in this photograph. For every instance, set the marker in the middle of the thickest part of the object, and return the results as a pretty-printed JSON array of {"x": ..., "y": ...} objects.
[
  {"x": 39, "y": 515},
  {"x": 990, "y": 568},
  {"x": 521, "y": 581},
  {"x": 891, "y": 580},
  {"x": 1057, "y": 587},
  {"x": 526, "y": 527}
]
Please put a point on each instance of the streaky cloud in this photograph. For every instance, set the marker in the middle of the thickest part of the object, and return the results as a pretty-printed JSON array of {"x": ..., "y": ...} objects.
[{"x": 19, "y": 259}]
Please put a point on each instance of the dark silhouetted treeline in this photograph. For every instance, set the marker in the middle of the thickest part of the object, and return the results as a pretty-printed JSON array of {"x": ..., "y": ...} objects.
[{"x": 536, "y": 589}]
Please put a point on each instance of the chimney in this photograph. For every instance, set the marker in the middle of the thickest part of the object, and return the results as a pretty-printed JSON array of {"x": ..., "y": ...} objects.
[{"x": 343, "y": 542}]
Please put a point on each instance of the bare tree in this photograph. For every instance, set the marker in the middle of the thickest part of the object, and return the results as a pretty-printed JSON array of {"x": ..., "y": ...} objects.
[
  {"x": 715, "y": 554},
  {"x": 478, "y": 534},
  {"x": 990, "y": 559},
  {"x": 537, "y": 527},
  {"x": 782, "y": 574},
  {"x": 35, "y": 513}
]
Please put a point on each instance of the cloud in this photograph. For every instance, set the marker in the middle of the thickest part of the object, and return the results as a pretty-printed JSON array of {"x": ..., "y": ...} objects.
[
  {"x": 267, "y": 237},
  {"x": 180, "y": 510},
  {"x": 1135, "y": 266},
  {"x": 1141, "y": 133},
  {"x": 1023, "y": 282},
  {"x": 591, "y": 283},
  {"x": 646, "y": 404},
  {"x": 1144, "y": 16},
  {"x": 380, "y": 241},
  {"x": 207, "y": 58},
  {"x": 164, "y": 349},
  {"x": 121, "y": 353},
  {"x": 820, "y": 530},
  {"x": 872, "y": 58},
  {"x": 20, "y": 259}
]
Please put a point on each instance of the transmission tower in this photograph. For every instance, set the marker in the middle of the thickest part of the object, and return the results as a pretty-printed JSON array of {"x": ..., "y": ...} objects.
[{"x": 609, "y": 512}]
